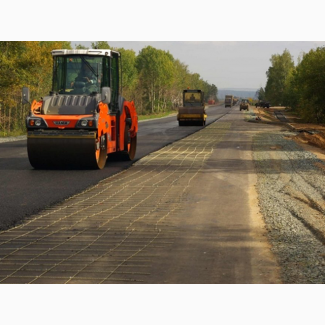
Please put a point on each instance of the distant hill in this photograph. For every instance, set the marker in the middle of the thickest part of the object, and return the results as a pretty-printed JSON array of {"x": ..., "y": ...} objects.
[{"x": 238, "y": 92}]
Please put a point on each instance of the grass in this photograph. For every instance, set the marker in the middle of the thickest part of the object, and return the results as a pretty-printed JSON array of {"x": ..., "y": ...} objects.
[
  {"x": 15, "y": 133},
  {"x": 153, "y": 116}
]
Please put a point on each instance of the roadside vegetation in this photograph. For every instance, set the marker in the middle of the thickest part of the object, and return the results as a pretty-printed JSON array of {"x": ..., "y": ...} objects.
[
  {"x": 158, "y": 115},
  {"x": 153, "y": 79},
  {"x": 299, "y": 87}
]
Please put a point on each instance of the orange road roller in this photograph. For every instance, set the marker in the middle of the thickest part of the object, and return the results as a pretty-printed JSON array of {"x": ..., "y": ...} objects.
[{"x": 84, "y": 118}]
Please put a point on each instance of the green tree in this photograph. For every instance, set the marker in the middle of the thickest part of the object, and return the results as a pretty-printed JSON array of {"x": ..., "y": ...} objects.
[
  {"x": 277, "y": 76},
  {"x": 129, "y": 75},
  {"x": 24, "y": 63},
  {"x": 260, "y": 94},
  {"x": 308, "y": 83},
  {"x": 129, "y": 70},
  {"x": 291, "y": 93},
  {"x": 155, "y": 69},
  {"x": 212, "y": 92},
  {"x": 100, "y": 45},
  {"x": 180, "y": 82},
  {"x": 62, "y": 44},
  {"x": 195, "y": 81},
  {"x": 80, "y": 47}
]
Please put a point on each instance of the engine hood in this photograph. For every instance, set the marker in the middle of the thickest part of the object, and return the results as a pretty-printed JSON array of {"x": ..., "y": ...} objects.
[{"x": 70, "y": 104}]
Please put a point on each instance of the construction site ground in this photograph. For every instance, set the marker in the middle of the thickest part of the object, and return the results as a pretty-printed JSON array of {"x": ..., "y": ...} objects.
[
  {"x": 187, "y": 213},
  {"x": 311, "y": 136}
]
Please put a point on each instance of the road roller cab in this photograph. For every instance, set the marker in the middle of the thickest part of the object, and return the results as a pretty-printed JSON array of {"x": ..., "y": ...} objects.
[
  {"x": 193, "y": 110},
  {"x": 85, "y": 117}
]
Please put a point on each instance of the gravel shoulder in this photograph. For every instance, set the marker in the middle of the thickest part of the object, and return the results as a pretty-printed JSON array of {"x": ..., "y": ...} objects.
[{"x": 291, "y": 193}]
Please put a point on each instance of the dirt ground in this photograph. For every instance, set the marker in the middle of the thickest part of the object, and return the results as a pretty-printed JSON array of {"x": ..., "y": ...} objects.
[{"x": 309, "y": 135}]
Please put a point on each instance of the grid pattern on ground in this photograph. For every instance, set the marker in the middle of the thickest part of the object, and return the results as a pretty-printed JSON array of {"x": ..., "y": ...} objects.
[{"x": 111, "y": 232}]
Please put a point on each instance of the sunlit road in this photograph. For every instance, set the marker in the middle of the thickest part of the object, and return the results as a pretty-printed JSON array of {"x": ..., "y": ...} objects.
[
  {"x": 24, "y": 191},
  {"x": 186, "y": 213}
]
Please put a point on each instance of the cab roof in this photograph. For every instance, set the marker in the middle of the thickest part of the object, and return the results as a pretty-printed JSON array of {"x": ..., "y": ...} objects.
[{"x": 95, "y": 52}]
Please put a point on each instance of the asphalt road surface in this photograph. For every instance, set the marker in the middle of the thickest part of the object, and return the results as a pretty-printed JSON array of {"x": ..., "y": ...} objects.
[
  {"x": 25, "y": 191},
  {"x": 186, "y": 213}
]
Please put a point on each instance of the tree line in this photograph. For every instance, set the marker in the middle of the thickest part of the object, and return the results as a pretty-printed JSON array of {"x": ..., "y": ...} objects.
[
  {"x": 153, "y": 78},
  {"x": 300, "y": 87}
]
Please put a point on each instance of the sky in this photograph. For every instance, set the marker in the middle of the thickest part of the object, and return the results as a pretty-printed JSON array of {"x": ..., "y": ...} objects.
[
  {"x": 226, "y": 64},
  {"x": 228, "y": 43}
]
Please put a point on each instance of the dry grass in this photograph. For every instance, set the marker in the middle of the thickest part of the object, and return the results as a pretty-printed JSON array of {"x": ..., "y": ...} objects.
[
  {"x": 317, "y": 139},
  {"x": 308, "y": 133}
]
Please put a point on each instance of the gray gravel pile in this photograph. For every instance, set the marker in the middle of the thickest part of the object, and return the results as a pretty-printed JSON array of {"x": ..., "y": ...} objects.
[{"x": 291, "y": 189}]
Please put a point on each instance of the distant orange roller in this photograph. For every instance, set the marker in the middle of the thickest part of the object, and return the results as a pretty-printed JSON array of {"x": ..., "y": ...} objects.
[{"x": 193, "y": 110}]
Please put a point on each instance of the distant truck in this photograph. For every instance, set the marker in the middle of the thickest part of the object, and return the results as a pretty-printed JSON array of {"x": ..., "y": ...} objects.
[
  {"x": 229, "y": 101},
  {"x": 193, "y": 110},
  {"x": 244, "y": 105}
]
